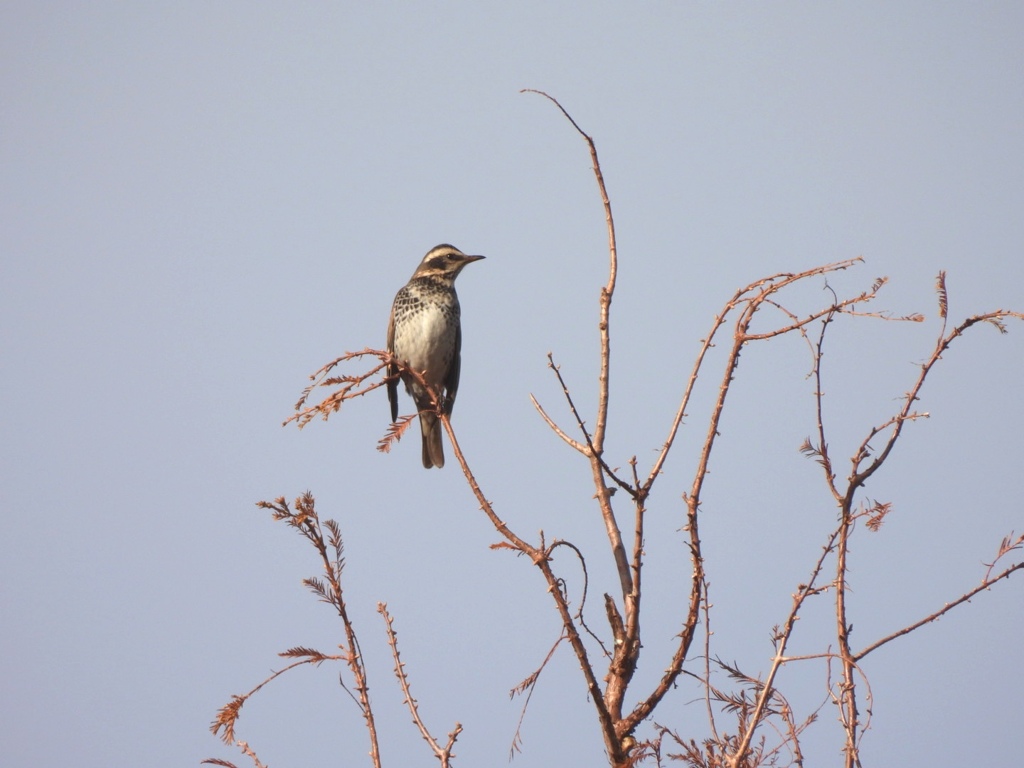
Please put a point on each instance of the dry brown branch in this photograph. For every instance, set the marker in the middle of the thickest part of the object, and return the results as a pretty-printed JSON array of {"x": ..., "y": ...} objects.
[
  {"x": 591, "y": 452},
  {"x": 305, "y": 520},
  {"x": 574, "y": 444},
  {"x": 777, "y": 713},
  {"x": 349, "y": 387},
  {"x": 625, "y": 654},
  {"x": 587, "y": 450},
  {"x": 227, "y": 716},
  {"x": 609, "y": 288},
  {"x": 541, "y": 558},
  {"x": 246, "y": 750},
  {"x": 876, "y": 514},
  {"x": 356, "y": 385},
  {"x": 746, "y": 304},
  {"x": 528, "y": 686},
  {"x": 443, "y": 754},
  {"x": 752, "y": 295},
  {"x": 395, "y": 432},
  {"x": 583, "y": 594},
  {"x": 859, "y": 476},
  {"x": 986, "y": 583},
  {"x": 821, "y": 449},
  {"x": 1010, "y": 543},
  {"x": 706, "y": 613},
  {"x": 854, "y": 730}
]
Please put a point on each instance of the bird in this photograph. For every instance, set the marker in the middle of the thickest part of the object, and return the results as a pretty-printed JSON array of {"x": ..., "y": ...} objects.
[{"x": 425, "y": 334}]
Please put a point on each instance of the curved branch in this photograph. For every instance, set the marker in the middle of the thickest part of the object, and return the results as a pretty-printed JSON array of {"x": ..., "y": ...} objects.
[{"x": 574, "y": 444}]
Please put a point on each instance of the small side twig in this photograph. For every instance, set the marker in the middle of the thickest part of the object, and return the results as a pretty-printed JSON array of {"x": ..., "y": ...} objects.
[
  {"x": 986, "y": 583},
  {"x": 528, "y": 686},
  {"x": 443, "y": 753}
]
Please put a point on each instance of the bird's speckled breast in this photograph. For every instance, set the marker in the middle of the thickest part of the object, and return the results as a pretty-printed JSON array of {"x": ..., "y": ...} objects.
[{"x": 425, "y": 337}]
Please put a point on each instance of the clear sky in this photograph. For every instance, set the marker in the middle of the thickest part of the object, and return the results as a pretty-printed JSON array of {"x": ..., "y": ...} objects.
[{"x": 202, "y": 203}]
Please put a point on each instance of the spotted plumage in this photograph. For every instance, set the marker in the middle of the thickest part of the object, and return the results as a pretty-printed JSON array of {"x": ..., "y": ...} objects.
[{"x": 424, "y": 332}]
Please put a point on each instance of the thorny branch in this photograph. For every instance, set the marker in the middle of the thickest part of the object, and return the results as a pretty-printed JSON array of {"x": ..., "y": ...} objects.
[
  {"x": 541, "y": 557},
  {"x": 627, "y": 647},
  {"x": 443, "y": 754},
  {"x": 1009, "y": 544}
]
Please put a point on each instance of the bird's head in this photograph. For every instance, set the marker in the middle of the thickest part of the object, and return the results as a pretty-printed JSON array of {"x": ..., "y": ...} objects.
[{"x": 444, "y": 262}]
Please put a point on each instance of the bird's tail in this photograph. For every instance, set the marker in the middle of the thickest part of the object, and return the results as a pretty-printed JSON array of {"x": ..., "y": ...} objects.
[{"x": 433, "y": 452}]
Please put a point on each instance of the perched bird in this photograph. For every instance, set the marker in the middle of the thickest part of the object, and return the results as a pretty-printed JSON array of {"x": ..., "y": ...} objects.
[{"x": 425, "y": 334}]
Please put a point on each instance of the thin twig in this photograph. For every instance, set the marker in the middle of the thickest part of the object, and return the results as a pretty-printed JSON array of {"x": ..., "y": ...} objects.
[
  {"x": 443, "y": 754},
  {"x": 986, "y": 584},
  {"x": 529, "y": 685}
]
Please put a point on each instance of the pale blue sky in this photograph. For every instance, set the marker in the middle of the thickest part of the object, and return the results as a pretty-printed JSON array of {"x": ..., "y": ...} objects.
[{"x": 202, "y": 203}]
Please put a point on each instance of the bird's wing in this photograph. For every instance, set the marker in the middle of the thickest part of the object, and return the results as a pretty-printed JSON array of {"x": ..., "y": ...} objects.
[
  {"x": 451, "y": 381},
  {"x": 392, "y": 369}
]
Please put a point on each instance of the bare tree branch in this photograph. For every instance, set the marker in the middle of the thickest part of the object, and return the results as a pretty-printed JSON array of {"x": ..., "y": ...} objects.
[
  {"x": 443, "y": 754},
  {"x": 305, "y": 520},
  {"x": 985, "y": 584},
  {"x": 528, "y": 686}
]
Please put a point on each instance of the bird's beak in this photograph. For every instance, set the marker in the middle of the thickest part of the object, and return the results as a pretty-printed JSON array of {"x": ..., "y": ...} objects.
[{"x": 468, "y": 259}]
